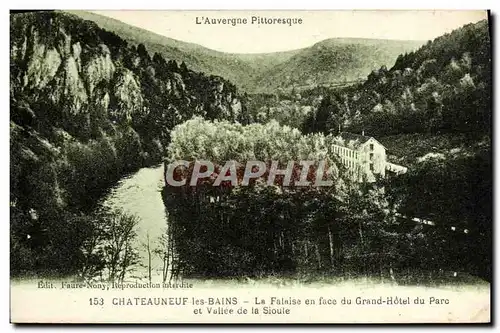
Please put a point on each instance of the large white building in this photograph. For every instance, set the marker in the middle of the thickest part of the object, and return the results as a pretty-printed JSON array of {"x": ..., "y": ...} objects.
[{"x": 364, "y": 156}]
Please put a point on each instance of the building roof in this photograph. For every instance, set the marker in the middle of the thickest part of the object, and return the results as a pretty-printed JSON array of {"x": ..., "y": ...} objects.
[
  {"x": 346, "y": 136},
  {"x": 352, "y": 140}
]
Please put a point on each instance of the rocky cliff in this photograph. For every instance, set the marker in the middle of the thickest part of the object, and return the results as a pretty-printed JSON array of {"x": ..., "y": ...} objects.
[{"x": 83, "y": 72}]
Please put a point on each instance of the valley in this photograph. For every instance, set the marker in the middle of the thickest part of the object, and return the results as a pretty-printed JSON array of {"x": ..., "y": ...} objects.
[{"x": 99, "y": 107}]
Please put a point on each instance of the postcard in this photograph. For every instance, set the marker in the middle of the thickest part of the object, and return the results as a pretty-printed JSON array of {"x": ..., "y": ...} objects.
[{"x": 250, "y": 166}]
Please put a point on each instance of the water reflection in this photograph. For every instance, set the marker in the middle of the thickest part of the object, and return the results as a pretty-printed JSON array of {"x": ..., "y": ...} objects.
[{"x": 140, "y": 194}]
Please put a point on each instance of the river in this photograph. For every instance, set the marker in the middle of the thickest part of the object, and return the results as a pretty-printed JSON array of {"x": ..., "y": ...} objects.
[{"x": 139, "y": 194}]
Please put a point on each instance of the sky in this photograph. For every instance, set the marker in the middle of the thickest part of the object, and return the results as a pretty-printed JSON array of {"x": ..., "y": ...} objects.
[{"x": 316, "y": 26}]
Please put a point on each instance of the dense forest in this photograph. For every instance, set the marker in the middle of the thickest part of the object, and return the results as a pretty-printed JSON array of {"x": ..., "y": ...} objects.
[
  {"x": 268, "y": 229},
  {"x": 443, "y": 87},
  {"x": 86, "y": 109}
]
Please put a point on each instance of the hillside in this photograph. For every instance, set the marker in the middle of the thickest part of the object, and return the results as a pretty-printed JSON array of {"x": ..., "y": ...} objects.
[
  {"x": 432, "y": 110},
  {"x": 241, "y": 69},
  {"x": 443, "y": 87},
  {"x": 327, "y": 62},
  {"x": 427, "y": 147}
]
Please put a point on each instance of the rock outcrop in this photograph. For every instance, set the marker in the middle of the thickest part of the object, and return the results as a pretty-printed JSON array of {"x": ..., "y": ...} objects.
[{"x": 70, "y": 65}]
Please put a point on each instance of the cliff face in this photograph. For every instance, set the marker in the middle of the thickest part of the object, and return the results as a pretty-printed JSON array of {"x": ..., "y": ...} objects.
[{"x": 80, "y": 70}]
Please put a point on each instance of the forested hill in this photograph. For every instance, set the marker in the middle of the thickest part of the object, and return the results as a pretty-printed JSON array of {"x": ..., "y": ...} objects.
[
  {"x": 443, "y": 87},
  {"x": 334, "y": 61},
  {"x": 86, "y": 108}
]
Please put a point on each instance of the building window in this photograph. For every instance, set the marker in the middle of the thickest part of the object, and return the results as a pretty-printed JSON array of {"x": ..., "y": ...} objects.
[
  {"x": 371, "y": 166},
  {"x": 371, "y": 146},
  {"x": 371, "y": 156}
]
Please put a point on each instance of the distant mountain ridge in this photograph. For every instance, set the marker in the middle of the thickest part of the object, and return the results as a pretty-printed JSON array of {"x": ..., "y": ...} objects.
[
  {"x": 335, "y": 60},
  {"x": 331, "y": 61}
]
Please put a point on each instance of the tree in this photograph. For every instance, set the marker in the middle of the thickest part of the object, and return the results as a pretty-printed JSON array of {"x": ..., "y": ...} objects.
[
  {"x": 183, "y": 68},
  {"x": 118, "y": 246}
]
